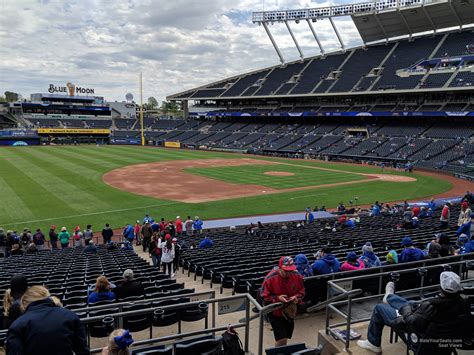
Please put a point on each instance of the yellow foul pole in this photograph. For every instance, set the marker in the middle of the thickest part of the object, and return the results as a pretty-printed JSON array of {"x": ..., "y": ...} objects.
[{"x": 141, "y": 109}]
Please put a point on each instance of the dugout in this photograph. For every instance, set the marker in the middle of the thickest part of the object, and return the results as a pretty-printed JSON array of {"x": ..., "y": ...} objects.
[{"x": 74, "y": 136}]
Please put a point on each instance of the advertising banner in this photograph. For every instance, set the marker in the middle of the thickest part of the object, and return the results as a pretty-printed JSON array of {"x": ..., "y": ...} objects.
[
  {"x": 72, "y": 131},
  {"x": 172, "y": 144}
]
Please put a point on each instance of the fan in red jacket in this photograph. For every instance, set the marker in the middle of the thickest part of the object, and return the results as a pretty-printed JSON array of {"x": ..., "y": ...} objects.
[
  {"x": 283, "y": 284},
  {"x": 179, "y": 225}
]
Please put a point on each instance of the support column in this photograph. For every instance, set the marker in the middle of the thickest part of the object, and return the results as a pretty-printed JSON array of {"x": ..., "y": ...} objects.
[
  {"x": 315, "y": 36},
  {"x": 185, "y": 108},
  {"x": 269, "y": 34},
  {"x": 294, "y": 40},
  {"x": 337, "y": 33}
]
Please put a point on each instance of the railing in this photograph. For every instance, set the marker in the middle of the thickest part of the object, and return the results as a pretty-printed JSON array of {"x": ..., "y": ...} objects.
[{"x": 349, "y": 297}]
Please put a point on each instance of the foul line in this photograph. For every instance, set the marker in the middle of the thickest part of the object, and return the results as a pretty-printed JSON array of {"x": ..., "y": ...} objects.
[
  {"x": 92, "y": 214},
  {"x": 304, "y": 196}
]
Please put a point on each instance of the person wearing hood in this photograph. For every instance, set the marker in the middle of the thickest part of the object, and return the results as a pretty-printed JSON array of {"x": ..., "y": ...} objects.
[
  {"x": 465, "y": 246},
  {"x": 410, "y": 253},
  {"x": 102, "y": 291},
  {"x": 11, "y": 299},
  {"x": 352, "y": 263},
  {"x": 302, "y": 265},
  {"x": 197, "y": 225},
  {"x": 368, "y": 258},
  {"x": 326, "y": 263},
  {"x": 206, "y": 243},
  {"x": 107, "y": 234}
]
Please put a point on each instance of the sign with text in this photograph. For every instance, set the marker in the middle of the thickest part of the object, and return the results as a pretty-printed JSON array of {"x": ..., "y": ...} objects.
[
  {"x": 69, "y": 89},
  {"x": 72, "y": 131},
  {"x": 172, "y": 144},
  {"x": 231, "y": 306}
]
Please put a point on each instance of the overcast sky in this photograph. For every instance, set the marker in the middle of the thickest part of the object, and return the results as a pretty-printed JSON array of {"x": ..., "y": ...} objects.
[{"x": 177, "y": 44}]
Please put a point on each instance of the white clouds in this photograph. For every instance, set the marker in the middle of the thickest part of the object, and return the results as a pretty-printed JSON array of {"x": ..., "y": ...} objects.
[{"x": 177, "y": 44}]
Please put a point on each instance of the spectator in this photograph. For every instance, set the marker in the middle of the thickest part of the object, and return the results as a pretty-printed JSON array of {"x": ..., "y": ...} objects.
[
  {"x": 392, "y": 257},
  {"x": 119, "y": 342},
  {"x": 147, "y": 232},
  {"x": 432, "y": 318},
  {"x": 416, "y": 210},
  {"x": 64, "y": 237},
  {"x": 465, "y": 245},
  {"x": 128, "y": 233},
  {"x": 283, "y": 284},
  {"x": 179, "y": 226},
  {"x": 433, "y": 250},
  {"x": 16, "y": 250},
  {"x": 88, "y": 234},
  {"x": 446, "y": 247},
  {"x": 170, "y": 229},
  {"x": 177, "y": 253},
  {"x": 90, "y": 247},
  {"x": 148, "y": 219},
  {"x": 206, "y": 243},
  {"x": 45, "y": 328},
  {"x": 136, "y": 231},
  {"x": 107, "y": 234},
  {"x": 53, "y": 237},
  {"x": 368, "y": 258},
  {"x": 167, "y": 255},
  {"x": 189, "y": 226},
  {"x": 38, "y": 239},
  {"x": 78, "y": 237},
  {"x": 3, "y": 242},
  {"x": 102, "y": 291},
  {"x": 155, "y": 228},
  {"x": 155, "y": 250},
  {"x": 445, "y": 214},
  {"x": 12, "y": 299},
  {"x": 163, "y": 226},
  {"x": 326, "y": 263},
  {"x": 308, "y": 217},
  {"x": 432, "y": 205},
  {"x": 129, "y": 287},
  {"x": 410, "y": 253},
  {"x": 302, "y": 265},
  {"x": 31, "y": 248},
  {"x": 25, "y": 238},
  {"x": 464, "y": 220},
  {"x": 197, "y": 225},
  {"x": 352, "y": 263}
]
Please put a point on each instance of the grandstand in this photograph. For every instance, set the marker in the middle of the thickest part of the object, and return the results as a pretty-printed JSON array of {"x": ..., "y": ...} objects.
[{"x": 404, "y": 98}]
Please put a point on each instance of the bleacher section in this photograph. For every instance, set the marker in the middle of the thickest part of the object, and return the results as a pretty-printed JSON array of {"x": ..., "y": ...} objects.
[{"x": 313, "y": 74}]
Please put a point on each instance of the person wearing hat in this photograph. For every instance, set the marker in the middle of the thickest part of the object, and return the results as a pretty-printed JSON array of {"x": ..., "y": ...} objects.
[
  {"x": 410, "y": 253},
  {"x": 179, "y": 226},
  {"x": 352, "y": 263},
  {"x": 302, "y": 265},
  {"x": 148, "y": 219},
  {"x": 53, "y": 237},
  {"x": 11, "y": 299},
  {"x": 78, "y": 237},
  {"x": 464, "y": 245},
  {"x": 445, "y": 215},
  {"x": 283, "y": 285},
  {"x": 136, "y": 231},
  {"x": 64, "y": 238},
  {"x": 443, "y": 318},
  {"x": 368, "y": 258},
  {"x": 197, "y": 225},
  {"x": 129, "y": 286}
]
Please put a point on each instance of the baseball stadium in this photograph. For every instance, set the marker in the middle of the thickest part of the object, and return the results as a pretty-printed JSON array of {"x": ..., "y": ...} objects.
[{"x": 317, "y": 206}]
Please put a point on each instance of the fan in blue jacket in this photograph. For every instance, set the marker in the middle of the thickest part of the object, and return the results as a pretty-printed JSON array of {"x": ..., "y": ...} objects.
[
  {"x": 197, "y": 224},
  {"x": 206, "y": 243},
  {"x": 326, "y": 264},
  {"x": 302, "y": 265},
  {"x": 128, "y": 232},
  {"x": 410, "y": 253}
]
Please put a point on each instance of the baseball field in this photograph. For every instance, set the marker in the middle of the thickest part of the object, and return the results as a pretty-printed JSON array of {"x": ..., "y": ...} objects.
[{"x": 79, "y": 185}]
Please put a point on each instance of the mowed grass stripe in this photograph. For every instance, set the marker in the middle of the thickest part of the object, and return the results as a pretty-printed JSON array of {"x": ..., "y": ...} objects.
[
  {"x": 31, "y": 193},
  {"x": 86, "y": 159},
  {"x": 68, "y": 185},
  {"x": 12, "y": 205},
  {"x": 102, "y": 154}
]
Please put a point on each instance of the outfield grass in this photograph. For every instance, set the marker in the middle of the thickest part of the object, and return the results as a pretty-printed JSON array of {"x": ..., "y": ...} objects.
[
  {"x": 255, "y": 174},
  {"x": 40, "y": 186}
]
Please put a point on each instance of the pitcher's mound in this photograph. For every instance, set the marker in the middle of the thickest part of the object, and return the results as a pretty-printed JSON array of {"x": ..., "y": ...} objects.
[{"x": 278, "y": 173}]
